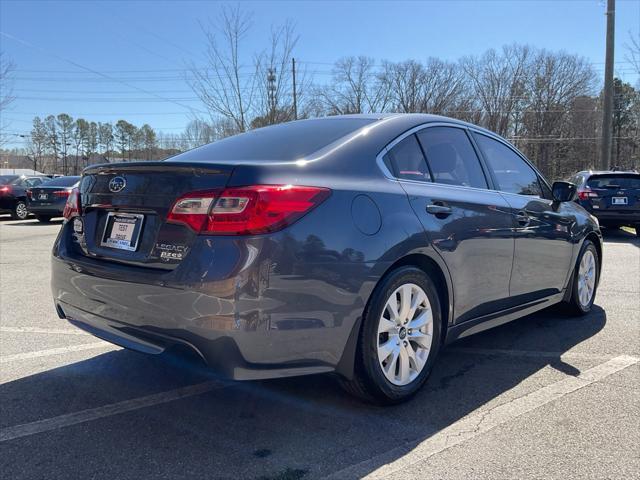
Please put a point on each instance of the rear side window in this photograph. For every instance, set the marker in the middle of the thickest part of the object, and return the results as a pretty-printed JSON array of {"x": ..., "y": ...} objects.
[
  {"x": 512, "y": 173},
  {"x": 451, "y": 157},
  {"x": 614, "y": 181},
  {"x": 405, "y": 160}
]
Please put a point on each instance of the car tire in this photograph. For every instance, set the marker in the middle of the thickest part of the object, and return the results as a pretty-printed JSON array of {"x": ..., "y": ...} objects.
[
  {"x": 586, "y": 275},
  {"x": 19, "y": 211},
  {"x": 410, "y": 336},
  {"x": 44, "y": 218}
]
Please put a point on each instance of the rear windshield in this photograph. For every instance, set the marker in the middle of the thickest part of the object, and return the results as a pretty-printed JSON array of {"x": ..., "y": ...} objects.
[
  {"x": 61, "y": 182},
  {"x": 5, "y": 179},
  {"x": 286, "y": 142},
  {"x": 614, "y": 181}
]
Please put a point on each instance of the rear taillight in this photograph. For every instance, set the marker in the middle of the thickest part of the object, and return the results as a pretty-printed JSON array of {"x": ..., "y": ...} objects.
[
  {"x": 247, "y": 210},
  {"x": 5, "y": 190},
  {"x": 586, "y": 194},
  {"x": 61, "y": 193},
  {"x": 72, "y": 207}
]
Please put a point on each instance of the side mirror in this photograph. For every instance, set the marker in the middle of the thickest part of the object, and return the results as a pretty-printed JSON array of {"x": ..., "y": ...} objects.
[{"x": 563, "y": 191}]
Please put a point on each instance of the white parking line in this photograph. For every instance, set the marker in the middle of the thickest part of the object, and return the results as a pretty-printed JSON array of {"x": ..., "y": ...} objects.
[
  {"x": 407, "y": 455},
  {"x": 55, "y": 351},
  {"x": 53, "y": 331},
  {"x": 54, "y": 423}
]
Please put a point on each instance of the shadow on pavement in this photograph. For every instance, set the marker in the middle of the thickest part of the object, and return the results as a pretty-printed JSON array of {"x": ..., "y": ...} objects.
[
  {"x": 618, "y": 235},
  {"x": 283, "y": 429}
]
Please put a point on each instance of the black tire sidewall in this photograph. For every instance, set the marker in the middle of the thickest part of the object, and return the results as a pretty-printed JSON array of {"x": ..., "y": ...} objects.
[
  {"x": 587, "y": 245},
  {"x": 378, "y": 384}
]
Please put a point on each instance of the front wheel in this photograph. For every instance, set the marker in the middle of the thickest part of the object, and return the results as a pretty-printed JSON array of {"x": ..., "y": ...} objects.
[
  {"x": 585, "y": 280},
  {"x": 399, "y": 338},
  {"x": 19, "y": 212}
]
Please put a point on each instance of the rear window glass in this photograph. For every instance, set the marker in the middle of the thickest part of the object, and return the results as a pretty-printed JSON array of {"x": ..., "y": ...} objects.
[
  {"x": 61, "y": 182},
  {"x": 287, "y": 141},
  {"x": 5, "y": 179},
  {"x": 614, "y": 181}
]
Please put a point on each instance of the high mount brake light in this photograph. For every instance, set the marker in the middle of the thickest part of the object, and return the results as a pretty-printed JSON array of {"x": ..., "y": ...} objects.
[
  {"x": 72, "y": 207},
  {"x": 246, "y": 210}
]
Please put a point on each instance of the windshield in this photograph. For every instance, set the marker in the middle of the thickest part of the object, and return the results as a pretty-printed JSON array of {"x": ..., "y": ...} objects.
[
  {"x": 614, "y": 181},
  {"x": 288, "y": 141}
]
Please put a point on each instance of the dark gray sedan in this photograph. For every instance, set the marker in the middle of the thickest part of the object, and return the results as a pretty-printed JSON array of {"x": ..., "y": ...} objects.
[{"x": 359, "y": 245}]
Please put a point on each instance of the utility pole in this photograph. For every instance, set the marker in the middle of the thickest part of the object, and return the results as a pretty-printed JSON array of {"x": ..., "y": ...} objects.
[
  {"x": 271, "y": 93},
  {"x": 605, "y": 152},
  {"x": 295, "y": 98}
]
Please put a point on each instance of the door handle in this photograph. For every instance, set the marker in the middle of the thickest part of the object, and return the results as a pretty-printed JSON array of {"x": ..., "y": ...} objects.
[
  {"x": 440, "y": 211},
  {"x": 523, "y": 219}
]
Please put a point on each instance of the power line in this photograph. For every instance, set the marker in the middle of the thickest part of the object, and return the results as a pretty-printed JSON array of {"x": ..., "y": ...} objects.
[{"x": 75, "y": 64}]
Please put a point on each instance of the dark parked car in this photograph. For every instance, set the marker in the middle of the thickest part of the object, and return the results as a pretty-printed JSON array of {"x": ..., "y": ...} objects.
[
  {"x": 357, "y": 244},
  {"x": 48, "y": 199},
  {"x": 13, "y": 193},
  {"x": 613, "y": 197}
]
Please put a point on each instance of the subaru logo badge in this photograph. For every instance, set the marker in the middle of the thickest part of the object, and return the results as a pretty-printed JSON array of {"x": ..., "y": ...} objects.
[{"x": 117, "y": 184}]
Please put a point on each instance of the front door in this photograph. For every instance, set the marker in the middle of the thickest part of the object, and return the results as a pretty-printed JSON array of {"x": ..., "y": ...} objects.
[{"x": 543, "y": 230}]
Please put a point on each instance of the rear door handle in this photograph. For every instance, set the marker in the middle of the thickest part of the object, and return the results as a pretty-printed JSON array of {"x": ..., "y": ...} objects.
[
  {"x": 440, "y": 211},
  {"x": 523, "y": 219}
]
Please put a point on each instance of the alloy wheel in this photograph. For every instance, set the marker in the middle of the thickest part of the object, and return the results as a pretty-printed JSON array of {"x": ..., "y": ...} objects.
[
  {"x": 586, "y": 278},
  {"x": 21, "y": 211},
  {"x": 405, "y": 334}
]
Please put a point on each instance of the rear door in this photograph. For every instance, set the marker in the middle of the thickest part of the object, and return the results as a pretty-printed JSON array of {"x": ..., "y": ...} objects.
[
  {"x": 543, "y": 239},
  {"x": 125, "y": 207},
  {"x": 468, "y": 225}
]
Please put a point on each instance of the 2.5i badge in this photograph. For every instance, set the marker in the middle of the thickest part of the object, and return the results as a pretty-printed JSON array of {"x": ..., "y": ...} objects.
[{"x": 169, "y": 251}]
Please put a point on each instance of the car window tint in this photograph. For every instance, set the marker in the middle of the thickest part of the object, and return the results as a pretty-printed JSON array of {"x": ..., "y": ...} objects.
[
  {"x": 61, "y": 182},
  {"x": 32, "y": 182},
  {"x": 512, "y": 173},
  {"x": 451, "y": 157},
  {"x": 286, "y": 141},
  {"x": 614, "y": 181},
  {"x": 405, "y": 160}
]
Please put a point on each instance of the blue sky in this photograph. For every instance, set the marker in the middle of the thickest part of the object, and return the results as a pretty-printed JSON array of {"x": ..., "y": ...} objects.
[{"x": 150, "y": 42}]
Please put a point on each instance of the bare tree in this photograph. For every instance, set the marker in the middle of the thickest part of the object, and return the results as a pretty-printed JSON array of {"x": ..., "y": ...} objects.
[
  {"x": 37, "y": 143},
  {"x": 496, "y": 81},
  {"x": 554, "y": 81},
  {"x": 633, "y": 51},
  {"x": 355, "y": 88},
  {"x": 273, "y": 68},
  {"x": 222, "y": 86}
]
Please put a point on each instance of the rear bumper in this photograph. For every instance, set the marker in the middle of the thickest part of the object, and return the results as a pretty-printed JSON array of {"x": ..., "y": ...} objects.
[
  {"x": 248, "y": 321},
  {"x": 55, "y": 210},
  {"x": 630, "y": 218}
]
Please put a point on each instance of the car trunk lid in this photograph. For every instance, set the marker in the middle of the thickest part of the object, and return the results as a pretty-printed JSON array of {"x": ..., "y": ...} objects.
[{"x": 136, "y": 198}]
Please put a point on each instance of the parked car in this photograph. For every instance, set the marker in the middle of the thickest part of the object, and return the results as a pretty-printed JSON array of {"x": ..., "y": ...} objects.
[
  {"x": 13, "y": 193},
  {"x": 48, "y": 199},
  {"x": 351, "y": 244},
  {"x": 613, "y": 197}
]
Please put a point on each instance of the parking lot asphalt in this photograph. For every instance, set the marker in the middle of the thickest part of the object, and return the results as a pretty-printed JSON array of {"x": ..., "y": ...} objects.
[{"x": 546, "y": 396}]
